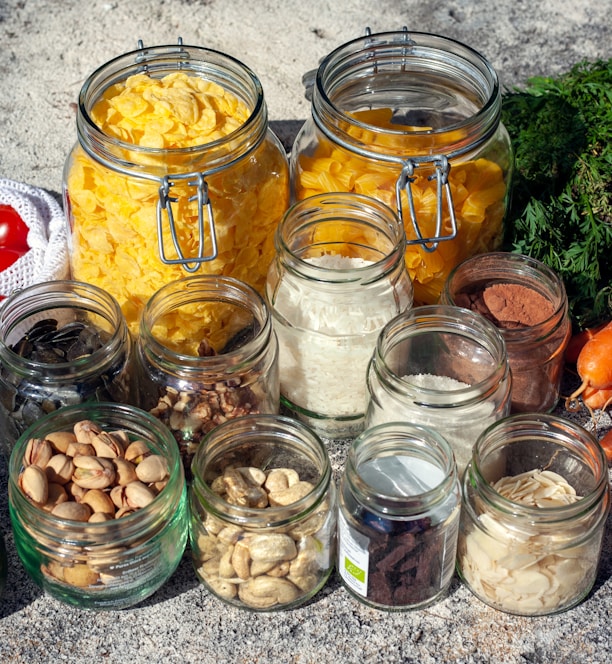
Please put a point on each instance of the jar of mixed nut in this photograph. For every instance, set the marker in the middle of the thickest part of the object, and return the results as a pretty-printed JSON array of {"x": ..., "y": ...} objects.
[
  {"x": 263, "y": 513},
  {"x": 338, "y": 277},
  {"x": 412, "y": 119},
  {"x": 206, "y": 354},
  {"x": 175, "y": 172},
  {"x": 61, "y": 343},
  {"x": 399, "y": 517},
  {"x": 536, "y": 496},
  {"x": 98, "y": 505},
  {"x": 527, "y": 301},
  {"x": 443, "y": 367}
]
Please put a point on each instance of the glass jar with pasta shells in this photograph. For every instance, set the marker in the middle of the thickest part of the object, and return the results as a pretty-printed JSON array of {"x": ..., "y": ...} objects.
[
  {"x": 175, "y": 172},
  {"x": 536, "y": 497},
  {"x": 206, "y": 353},
  {"x": 338, "y": 276},
  {"x": 263, "y": 513},
  {"x": 412, "y": 119},
  {"x": 61, "y": 343}
]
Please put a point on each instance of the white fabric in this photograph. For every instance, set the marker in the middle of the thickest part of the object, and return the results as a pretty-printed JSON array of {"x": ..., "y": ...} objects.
[{"x": 47, "y": 259}]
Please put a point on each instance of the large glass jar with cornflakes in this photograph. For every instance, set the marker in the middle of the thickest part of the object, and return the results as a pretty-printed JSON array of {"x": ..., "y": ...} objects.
[
  {"x": 175, "y": 172},
  {"x": 412, "y": 119}
]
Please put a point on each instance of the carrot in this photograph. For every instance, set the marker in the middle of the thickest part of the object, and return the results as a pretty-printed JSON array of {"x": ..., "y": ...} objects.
[
  {"x": 595, "y": 399},
  {"x": 594, "y": 364},
  {"x": 606, "y": 444},
  {"x": 579, "y": 339}
]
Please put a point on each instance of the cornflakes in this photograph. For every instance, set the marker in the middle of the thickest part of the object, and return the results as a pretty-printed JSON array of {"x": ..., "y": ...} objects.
[
  {"x": 478, "y": 189},
  {"x": 113, "y": 215}
]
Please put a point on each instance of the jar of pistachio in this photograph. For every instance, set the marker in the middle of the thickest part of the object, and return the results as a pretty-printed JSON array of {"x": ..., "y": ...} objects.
[
  {"x": 97, "y": 501},
  {"x": 175, "y": 171}
]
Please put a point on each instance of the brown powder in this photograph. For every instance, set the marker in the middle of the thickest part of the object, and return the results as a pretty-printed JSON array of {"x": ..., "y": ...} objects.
[{"x": 508, "y": 305}]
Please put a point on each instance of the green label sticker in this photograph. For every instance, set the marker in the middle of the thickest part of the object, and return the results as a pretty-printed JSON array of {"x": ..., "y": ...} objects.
[{"x": 353, "y": 570}]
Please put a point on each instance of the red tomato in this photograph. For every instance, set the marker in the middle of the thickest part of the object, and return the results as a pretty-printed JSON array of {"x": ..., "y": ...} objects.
[
  {"x": 13, "y": 231},
  {"x": 8, "y": 257}
]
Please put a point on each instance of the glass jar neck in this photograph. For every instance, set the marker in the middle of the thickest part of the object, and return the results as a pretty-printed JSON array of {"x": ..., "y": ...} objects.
[
  {"x": 557, "y": 444},
  {"x": 216, "y": 291},
  {"x": 257, "y": 437},
  {"x": 396, "y": 95},
  {"x": 351, "y": 227},
  {"x": 65, "y": 301},
  {"x": 444, "y": 319},
  {"x": 156, "y": 62},
  {"x": 419, "y": 444}
]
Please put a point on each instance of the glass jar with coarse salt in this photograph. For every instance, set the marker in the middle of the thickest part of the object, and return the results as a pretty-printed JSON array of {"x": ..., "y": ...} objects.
[
  {"x": 206, "y": 354},
  {"x": 263, "y": 513},
  {"x": 338, "y": 276},
  {"x": 61, "y": 343},
  {"x": 399, "y": 517},
  {"x": 527, "y": 301},
  {"x": 98, "y": 505},
  {"x": 175, "y": 172},
  {"x": 443, "y": 367},
  {"x": 412, "y": 119},
  {"x": 536, "y": 496}
]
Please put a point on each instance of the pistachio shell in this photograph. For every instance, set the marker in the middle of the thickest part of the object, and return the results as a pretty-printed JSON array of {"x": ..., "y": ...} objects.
[
  {"x": 98, "y": 501},
  {"x": 34, "y": 484},
  {"x": 59, "y": 469},
  {"x": 38, "y": 452},
  {"x": 92, "y": 472},
  {"x": 72, "y": 510},
  {"x": 153, "y": 468},
  {"x": 60, "y": 440},
  {"x": 138, "y": 494},
  {"x": 136, "y": 451},
  {"x": 86, "y": 430},
  {"x": 125, "y": 471}
]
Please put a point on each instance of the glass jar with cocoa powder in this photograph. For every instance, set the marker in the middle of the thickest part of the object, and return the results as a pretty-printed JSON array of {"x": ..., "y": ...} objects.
[
  {"x": 399, "y": 516},
  {"x": 527, "y": 301}
]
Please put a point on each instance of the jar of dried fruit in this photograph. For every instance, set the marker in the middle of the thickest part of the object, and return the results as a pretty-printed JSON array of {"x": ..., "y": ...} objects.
[
  {"x": 443, "y": 367},
  {"x": 263, "y": 513},
  {"x": 412, "y": 119},
  {"x": 527, "y": 301},
  {"x": 338, "y": 277},
  {"x": 61, "y": 343},
  {"x": 175, "y": 172},
  {"x": 536, "y": 496},
  {"x": 206, "y": 353},
  {"x": 98, "y": 504},
  {"x": 399, "y": 517}
]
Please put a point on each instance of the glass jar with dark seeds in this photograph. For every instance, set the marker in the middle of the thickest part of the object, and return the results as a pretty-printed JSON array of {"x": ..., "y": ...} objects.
[{"x": 61, "y": 343}]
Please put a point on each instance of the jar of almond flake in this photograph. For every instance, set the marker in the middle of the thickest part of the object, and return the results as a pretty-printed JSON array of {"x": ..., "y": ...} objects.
[
  {"x": 175, "y": 172},
  {"x": 443, "y": 367},
  {"x": 412, "y": 119},
  {"x": 536, "y": 496},
  {"x": 338, "y": 277}
]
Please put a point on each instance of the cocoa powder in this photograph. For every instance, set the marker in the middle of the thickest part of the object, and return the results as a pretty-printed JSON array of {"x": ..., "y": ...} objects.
[{"x": 508, "y": 305}]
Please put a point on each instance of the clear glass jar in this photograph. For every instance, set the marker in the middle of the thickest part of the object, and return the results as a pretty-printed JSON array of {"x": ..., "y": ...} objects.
[
  {"x": 443, "y": 367},
  {"x": 338, "y": 277},
  {"x": 528, "y": 303},
  {"x": 536, "y": 496},
  {"x": 61, "y": 343},
  {"x": 399, "y": 504},
  {"x": 107, "y": 564},
  {"x": 206, "y": 354},
  {"x": 198, "y": 186},
  {"x": 412, "y": 119},
  {"x": 263, "y": 513}
]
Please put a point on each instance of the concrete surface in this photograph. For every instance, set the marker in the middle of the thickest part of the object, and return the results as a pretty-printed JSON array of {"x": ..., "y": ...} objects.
[{"x": 47, "y": 49}]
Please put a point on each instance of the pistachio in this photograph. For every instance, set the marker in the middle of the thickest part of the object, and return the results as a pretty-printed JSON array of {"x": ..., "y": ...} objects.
[
  {"x": 60, "y": 440},
  {"x": 98, "y": 501},
  {"x": 59, "y": 469},
  {"x": 107, "y": 445},
  {"x": 101, "y": 517},
  {"x": 124, "y": 511},
  {"x": 56, "y": 494},
  {"x": 136, "y": 451},
  {"x": 34, "y": 484},
  {"x": 125, "y": 471},
  {"x": 138, "y": 494},
  {"x": 153, "y": 468},
  {"x": 80, "y": 575},
  {"x": 93, "y": 472},
  {"x": 85, "y": 431},
  {"x": 80, "y": 449},
  {"x": 118, "y": 496},
  {"x": 72, "y": 511},
  {"x": 38, "y": 452},
  {"x": 75, "y": 491}
]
